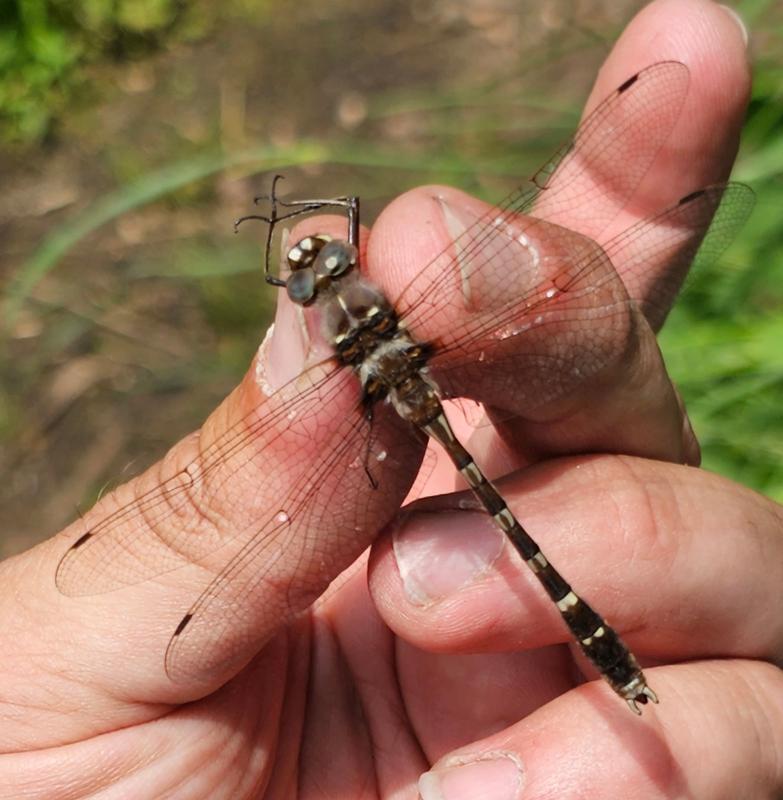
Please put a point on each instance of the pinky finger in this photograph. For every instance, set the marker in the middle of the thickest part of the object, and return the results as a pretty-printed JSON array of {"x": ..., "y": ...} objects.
[{"x": 717, "y": 735}]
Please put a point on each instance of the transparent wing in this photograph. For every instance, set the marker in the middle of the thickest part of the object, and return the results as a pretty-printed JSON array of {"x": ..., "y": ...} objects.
[
  {"x": 567, "y": 315},
  {"x": 586, "y": 184},
  {"x": 323, "y": 524},
  {"x": 697, "y": 229},
  {"x": 163, "y": 527},
  {"x": 613, "y": 150}
]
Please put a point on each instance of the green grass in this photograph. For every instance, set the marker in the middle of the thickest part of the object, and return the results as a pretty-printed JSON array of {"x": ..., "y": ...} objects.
[{"x": 48, "y": 47}]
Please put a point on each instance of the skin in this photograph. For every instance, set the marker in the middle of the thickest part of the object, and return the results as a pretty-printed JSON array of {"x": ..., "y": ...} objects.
[{"x": 475, "y": 682}]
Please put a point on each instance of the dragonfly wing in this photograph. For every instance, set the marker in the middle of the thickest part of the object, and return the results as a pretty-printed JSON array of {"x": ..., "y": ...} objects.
[
  {"x": 324, "y": 522},
  {"x": 585, "y": 186},
  {"x": 698, "y": 228},
  {"x": 593, "y": 178},
  {"x": 534, "y": 342},
  {"x": 157, "y": 529}
]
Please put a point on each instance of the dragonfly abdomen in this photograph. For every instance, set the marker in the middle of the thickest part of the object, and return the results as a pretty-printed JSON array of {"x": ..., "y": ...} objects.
[{"x": 598, "y": 641}]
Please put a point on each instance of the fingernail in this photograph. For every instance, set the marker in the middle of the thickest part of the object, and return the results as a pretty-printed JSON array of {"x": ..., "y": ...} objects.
[
  {"x": 439, "y": 553},
  {"x": 457, "y": 222},
  {"x": 455, "y": 218},
  {"x": 288, "y": 345},
  {"x": 510, "y": 242},
  {"x": 739, "y": 21},
  {"x": 494, "y": 777}
]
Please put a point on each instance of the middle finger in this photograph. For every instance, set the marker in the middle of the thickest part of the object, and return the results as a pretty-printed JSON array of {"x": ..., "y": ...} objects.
[{"x": 681, "y": 562}]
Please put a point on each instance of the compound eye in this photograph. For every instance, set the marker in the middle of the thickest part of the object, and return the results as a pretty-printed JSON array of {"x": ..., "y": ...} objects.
[
  {"x": 335, "y": 258},
  {"x": 301, "y": 286},
  {"x": 303, "y": 253}
]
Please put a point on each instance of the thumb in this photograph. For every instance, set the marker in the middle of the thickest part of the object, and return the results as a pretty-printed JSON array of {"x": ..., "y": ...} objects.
[{"x": 251, "y": 517}]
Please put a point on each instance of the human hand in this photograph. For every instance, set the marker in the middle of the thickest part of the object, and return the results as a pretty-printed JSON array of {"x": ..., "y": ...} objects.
[{"x": 335, "y": 702}]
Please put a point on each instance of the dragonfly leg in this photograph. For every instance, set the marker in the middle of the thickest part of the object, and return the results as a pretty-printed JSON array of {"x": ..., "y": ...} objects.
[
  {"x": 368, "y": 417},
  {"x": 300, "y": 207}
]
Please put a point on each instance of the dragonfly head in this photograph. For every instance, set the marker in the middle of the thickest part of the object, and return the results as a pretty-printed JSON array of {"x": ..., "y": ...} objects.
[{"x": 315, "y": 263}]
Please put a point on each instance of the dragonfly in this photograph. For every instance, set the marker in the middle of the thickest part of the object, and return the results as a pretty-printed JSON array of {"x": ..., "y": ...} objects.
[{"x": 508, "y": 305}]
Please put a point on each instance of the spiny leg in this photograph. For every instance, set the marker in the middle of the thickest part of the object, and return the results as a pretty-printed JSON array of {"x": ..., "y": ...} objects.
[{"x": 301, "y": 207}]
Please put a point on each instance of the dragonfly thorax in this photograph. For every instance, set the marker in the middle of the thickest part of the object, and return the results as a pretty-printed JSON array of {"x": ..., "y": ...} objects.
[
  {"x": 362, "y": 326},
  {"x": 315, "y": 263}
]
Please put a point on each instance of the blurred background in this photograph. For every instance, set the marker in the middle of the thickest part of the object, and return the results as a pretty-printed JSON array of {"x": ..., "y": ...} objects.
[{"x": 133, "y": 132}]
